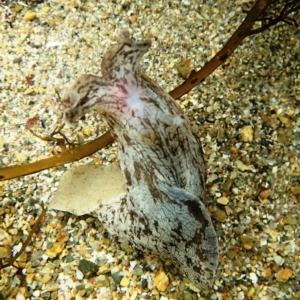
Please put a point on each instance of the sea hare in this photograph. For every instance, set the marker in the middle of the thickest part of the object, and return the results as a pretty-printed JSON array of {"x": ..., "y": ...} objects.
[{"x": 161, "y": 160}]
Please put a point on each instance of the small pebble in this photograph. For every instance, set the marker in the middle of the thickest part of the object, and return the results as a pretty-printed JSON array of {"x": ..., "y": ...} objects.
[
  {"x": 161, "y": 280},
  {"x": 30, "y": 15},
  {"x": 144, "y": 283},
  {"x": 36, "y": 293},
  {"x": 265, "y": 194},
  {"x": 125, "y": 282},
  {"x": 284, "y": 275},
  {"x": 247, "y": 134},
  {"x": 220, "y": 215},
  {"x": 55, "y": 249},
  {"x": 247, "y": 242},
  {"x": 117, "y": 277},
  {"x": 104, "y": 269},
  {"x": 223, "y": 200},
  {"x": 87, "y": 268},
  {"x": 253, "y": 277},
  {"x": 4, "y": 252}
]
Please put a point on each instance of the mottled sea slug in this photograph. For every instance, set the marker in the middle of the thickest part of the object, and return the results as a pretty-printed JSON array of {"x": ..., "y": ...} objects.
[{"x": 162, "y": 211}]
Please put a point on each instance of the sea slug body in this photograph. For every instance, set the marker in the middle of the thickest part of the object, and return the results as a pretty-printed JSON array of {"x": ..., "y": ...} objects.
[{"x": 161, "y": 160}]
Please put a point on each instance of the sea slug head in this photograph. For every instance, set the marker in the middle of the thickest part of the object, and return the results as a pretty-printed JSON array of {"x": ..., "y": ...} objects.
[
  {"x": 128, "y": 100},
  {"x": 118, "y": 94}
]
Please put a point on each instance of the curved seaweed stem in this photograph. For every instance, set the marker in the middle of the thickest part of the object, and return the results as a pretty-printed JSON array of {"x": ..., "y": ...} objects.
[
  {"x": 68, "y": 156},
  {"x": 269, "y": 18},
  {"x": 256, "y": 13},
  {"x": 196, "y": 77}
]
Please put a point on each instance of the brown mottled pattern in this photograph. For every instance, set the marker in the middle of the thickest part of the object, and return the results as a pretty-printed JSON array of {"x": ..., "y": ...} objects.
[{"x": 161, "y": 160}]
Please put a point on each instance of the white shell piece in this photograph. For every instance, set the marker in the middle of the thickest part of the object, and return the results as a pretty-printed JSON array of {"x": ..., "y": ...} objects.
[{"x": 82, "y": 189}]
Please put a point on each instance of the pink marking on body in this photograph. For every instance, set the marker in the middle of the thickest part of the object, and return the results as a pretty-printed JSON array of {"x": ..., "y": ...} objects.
[{"x": 129, "y": 100}]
